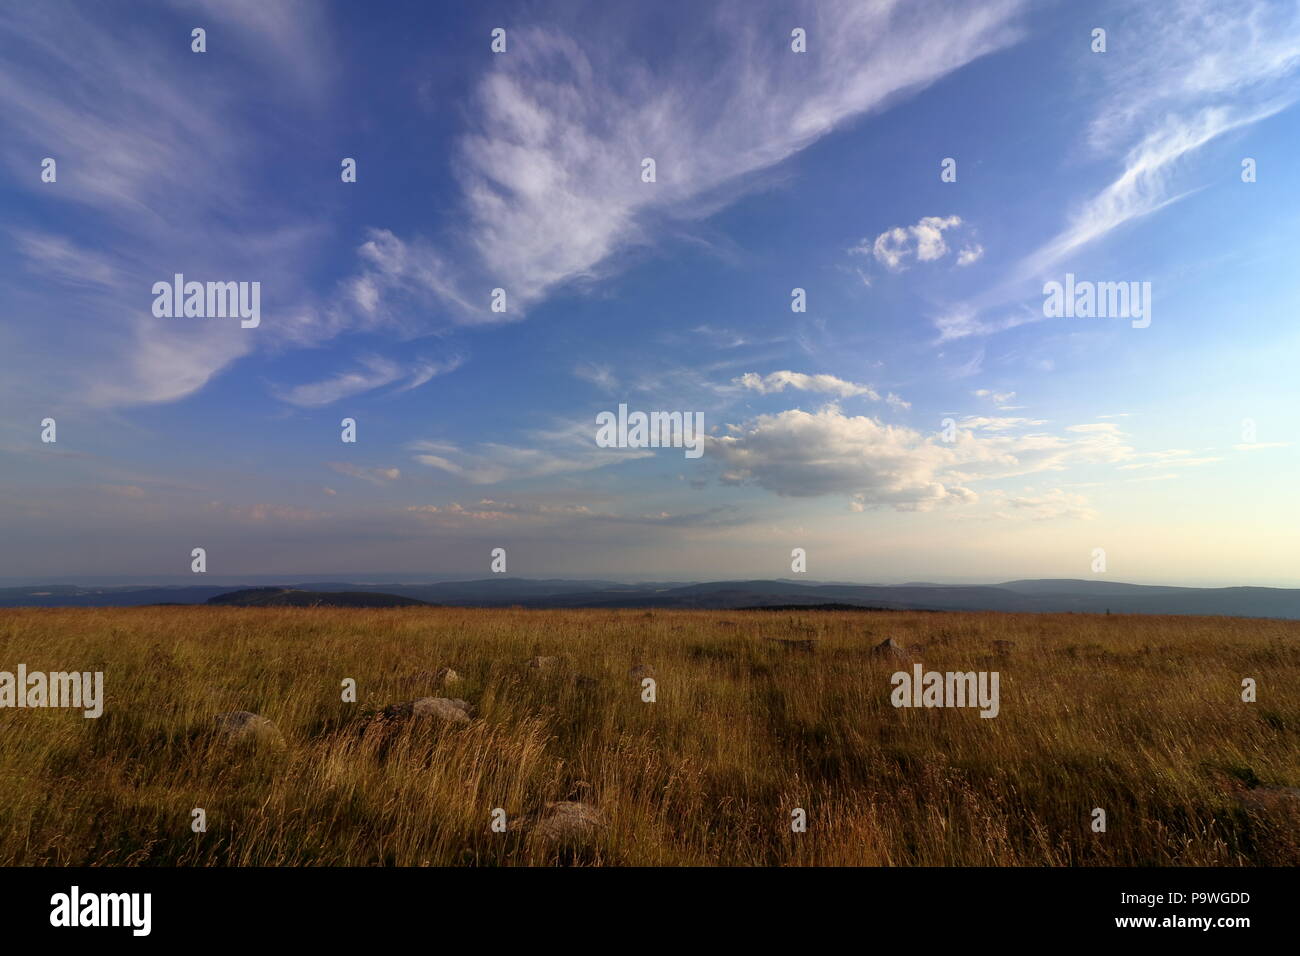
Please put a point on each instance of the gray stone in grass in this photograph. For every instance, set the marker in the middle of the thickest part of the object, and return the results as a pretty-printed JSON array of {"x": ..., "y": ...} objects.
[
  {"x": 569, "y": 821},
  {"x": 441, "y": 708},
  {"x": 890, "y": 648}
]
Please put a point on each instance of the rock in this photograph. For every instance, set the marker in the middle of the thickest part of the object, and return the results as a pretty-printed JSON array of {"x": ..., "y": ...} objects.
[
  {"x": 569, "y": 821},
  {"x": 441, "y": 708},
  {"x": 244, "y": 728},
  {"x": 805, "y": 644},
  {"x": 890, "y": 648},
  {"x": 641, "y": 671},
  {"x": 446, "y": 677}
]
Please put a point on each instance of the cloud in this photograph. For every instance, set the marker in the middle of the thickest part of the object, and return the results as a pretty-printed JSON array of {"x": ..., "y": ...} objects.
[
  {"x": 554, "y": 453},
  {"x": 376, "y": 476},
  {"x": 828, "y": 384},
  {"x": 58, "y": 258},
  {"x": 375, "y": 372},
  {"x": 1205, "y": 72},
  {"x": 802, "y": 455},
  {"x": 550, "y": 173},
  {"x": 1143, "y": 187},
  {"x": 963, "y": 320},
  {"x": 162, "y": 165},
  {"x": 599, "y": 375},
  {"x": 1001, "y": 424},
  {"x": 397, "y": 274},
  {"x": 924, "y": 242},
  {"x": 999, "y": 398},
  {"x": 722, "y": 338}
]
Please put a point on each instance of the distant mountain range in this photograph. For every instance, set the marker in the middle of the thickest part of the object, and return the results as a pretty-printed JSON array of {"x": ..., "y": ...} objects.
[
  {"x": 1054, "y": 595},
  {"x": 296, "y": 597}
]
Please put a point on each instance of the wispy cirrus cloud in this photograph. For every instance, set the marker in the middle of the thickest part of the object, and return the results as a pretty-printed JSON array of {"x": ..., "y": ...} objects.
[
  {"x": 550, "y": 173},
  {"x": 549, "y": 453},
  {"x": 1206, "y": 71},
  {"x": 374, "y": 475},
  {"x": 375, "y": 372},
  {"x": 156, "y": 158}
]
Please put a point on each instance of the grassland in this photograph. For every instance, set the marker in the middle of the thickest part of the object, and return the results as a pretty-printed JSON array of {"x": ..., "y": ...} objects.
[{"x": 1140, "y": 716}]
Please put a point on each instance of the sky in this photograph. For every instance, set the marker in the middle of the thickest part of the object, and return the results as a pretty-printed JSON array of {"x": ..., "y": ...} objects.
[{"x": 922, "y": 417}]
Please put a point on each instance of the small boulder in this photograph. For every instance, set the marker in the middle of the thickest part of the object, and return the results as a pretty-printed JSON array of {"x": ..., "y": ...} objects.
[
  {"x": 242, "y": 728},
  {"x": 446, "y": 677},
  {"x": 890, "y": 648},
  {"x": 569, "y": 821},
  {"x": 441, "y": 708}
]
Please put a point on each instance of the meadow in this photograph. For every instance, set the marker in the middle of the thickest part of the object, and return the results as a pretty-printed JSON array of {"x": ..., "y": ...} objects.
[{"x": 1139, "y": 716}]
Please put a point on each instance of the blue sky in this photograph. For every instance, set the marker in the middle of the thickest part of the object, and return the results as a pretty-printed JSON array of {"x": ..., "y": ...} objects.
[{"x": 775, "y": 170}]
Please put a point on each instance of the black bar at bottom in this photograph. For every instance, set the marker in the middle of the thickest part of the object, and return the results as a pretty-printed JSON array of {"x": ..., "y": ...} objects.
[{"x": 663, "y": 905}]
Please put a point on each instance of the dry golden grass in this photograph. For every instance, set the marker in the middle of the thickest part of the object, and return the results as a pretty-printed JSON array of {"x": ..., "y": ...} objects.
[{"x": 1138, "y": 715}]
